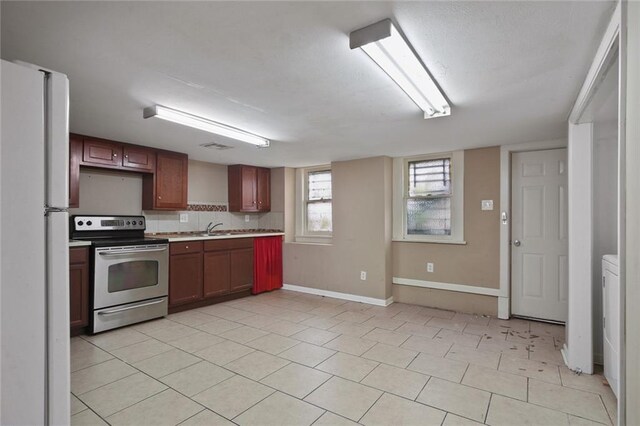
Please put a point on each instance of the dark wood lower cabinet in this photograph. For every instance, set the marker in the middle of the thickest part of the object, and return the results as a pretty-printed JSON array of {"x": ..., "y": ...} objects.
[
  {"x": 241, "y": 268},
  {"x": 185, "y": 278},
  {"x": 78, "y": 287},
  {"x": 216, "y": 273},
  {"x": 225, "y": 269}
]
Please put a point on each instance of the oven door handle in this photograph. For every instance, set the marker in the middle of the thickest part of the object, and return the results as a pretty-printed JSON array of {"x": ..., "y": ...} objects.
[
  {"x": 127, "y": 308},
  {"x": 117, "y": 253}
]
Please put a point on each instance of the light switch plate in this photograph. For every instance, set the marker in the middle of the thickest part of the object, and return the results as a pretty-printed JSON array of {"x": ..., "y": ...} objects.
[
  {"x": 184, "y": 217},
  {"x": 487, "y": 204},
  {"x": 247, "y": 218}
]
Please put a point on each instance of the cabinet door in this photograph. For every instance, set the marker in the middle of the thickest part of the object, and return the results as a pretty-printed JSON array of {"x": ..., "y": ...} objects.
[
  {"x": 185, "y": 278},
  {"x": 75, "y": 158},
  {"x": 241, "y": 269},
  {"x": 216, "y": 273},
  {"x": 249, "y": 188},
  {"x": 78, "y": 288},
  {"x": 264, "y": 189},
  {"x": 102, "y": 152},
  {"x": 139, "y": 158},
  {"x": 171, "y": 181}
]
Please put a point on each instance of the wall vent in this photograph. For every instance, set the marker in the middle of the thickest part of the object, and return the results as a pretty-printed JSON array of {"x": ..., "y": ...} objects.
[{"x": 215, "y": 145}]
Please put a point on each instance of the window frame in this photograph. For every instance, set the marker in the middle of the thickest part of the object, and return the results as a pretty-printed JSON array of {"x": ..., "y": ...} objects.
[
  {"x": 401, "y": 195},
  {"x": 303, "y": 235}
]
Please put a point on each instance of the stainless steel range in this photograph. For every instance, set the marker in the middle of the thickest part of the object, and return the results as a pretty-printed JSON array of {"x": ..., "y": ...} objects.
[{"x": 130, "y": 271}]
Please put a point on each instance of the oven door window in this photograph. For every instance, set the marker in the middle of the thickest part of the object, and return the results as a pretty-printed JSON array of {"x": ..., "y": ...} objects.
[{"x": 131, "y": 275}]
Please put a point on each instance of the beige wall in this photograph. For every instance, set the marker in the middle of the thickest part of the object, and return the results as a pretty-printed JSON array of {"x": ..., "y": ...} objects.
[
  {"x": 361, "y": 234},
  {"x": 478, "y": 262},
  {"x": 442, "y": 299},
  {"x": 277, "y": 189},
  {"x": 207, "y": 183},
  {"x": 109, "y": 192},
  {"x": 289, "y": 184}
]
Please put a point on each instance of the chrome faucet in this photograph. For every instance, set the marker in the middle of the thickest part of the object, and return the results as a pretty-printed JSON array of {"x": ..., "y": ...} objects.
[{"x": 211, "y": 226}]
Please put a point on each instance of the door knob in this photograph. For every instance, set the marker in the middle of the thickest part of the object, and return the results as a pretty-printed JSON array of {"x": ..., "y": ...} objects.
[{"x": 516, "y": 243}]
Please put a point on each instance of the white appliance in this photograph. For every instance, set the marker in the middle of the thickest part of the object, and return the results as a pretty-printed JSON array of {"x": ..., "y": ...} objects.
[
  {"x": 34, "y": 279},
  {"x": 611, "y": 320}
]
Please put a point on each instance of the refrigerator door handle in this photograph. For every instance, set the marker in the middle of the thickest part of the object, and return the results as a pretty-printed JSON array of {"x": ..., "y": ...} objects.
[{"x": 48, "y": 210}]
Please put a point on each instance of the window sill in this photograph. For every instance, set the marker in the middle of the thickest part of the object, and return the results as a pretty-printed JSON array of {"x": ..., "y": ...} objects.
[
  {"x": 429, "y": 241},
  {"x": 314, "y": 239}
]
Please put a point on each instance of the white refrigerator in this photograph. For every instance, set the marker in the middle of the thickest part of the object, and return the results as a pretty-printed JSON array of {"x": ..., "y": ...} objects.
[{"x": 34, "y": 250}]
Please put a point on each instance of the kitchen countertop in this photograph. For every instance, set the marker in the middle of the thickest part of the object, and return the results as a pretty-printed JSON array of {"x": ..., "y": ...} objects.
[
  {"x": 76, "y": 243},
  {"x": 190, "y": 236}
]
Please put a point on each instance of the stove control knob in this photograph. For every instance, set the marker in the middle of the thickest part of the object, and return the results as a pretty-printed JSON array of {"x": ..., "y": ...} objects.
[
  {"x": 140, "y": 222},
  {"x": 80, "y": 223},
  {"x": 89, "y": 223},
  {"x": 128, "y": 223}
]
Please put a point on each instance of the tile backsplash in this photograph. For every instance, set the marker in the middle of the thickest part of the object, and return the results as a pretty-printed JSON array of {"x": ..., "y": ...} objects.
[{"x": 159, "y": 221}]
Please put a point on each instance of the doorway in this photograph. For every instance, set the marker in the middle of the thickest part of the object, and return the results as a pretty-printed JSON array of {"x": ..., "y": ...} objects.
[{"x": 539, "y": 261}]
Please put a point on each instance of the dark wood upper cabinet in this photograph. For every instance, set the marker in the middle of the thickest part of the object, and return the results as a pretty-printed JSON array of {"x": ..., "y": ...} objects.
[
  {"x": 165, "y": 173},
  {"x": 249, "y": 189},
  {"x": 75, "y": 158},
  {"x": 102, "y": 152},
  {"x": 264, "y": 189},
  {"x": 167, "y": 188},
  {"x": 139, "y": 158},
  {"x": 78, "y": 287}
]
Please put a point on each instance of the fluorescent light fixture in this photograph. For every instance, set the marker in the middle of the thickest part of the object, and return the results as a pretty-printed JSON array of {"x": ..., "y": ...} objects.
[
  {"x": 205, "y": 124},
  {"x": 386, "y": 46}
]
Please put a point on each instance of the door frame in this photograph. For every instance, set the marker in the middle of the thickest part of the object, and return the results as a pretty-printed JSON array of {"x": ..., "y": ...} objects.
[
  {"x": 578, "y": 350},
  {"x": 504, "y": 296}
]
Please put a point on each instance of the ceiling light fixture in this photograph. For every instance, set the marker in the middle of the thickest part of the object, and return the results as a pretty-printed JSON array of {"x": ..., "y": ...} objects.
[
  {"x": 205, "y": 124},
  {"x": 386, "y": 46}
]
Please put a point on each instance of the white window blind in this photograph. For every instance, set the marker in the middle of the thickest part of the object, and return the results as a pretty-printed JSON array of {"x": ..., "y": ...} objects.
[
  {"x": 428, "y": 200},
  {"x": 318, "y": 202}
]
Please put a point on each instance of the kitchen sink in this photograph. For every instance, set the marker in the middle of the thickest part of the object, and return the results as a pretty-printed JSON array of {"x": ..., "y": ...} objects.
[{"x": 219, "y": 233}]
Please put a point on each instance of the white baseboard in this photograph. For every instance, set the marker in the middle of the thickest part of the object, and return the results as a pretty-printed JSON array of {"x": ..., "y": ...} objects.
[
  {"x": 461, "y": 288},
  {"x": 337, "y": 295}
]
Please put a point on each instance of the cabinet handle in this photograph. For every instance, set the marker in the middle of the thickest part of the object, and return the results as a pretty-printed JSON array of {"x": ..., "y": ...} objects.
[
  {"x": 159, "y": 197},
  {"x": 186, "y": 246},
  {"x": 115, "y": 155},
  {"x": 126, "y": 156}
]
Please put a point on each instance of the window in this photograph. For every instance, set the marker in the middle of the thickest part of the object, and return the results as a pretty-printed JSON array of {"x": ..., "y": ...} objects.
[
  {"x": 428, "y": 198},
  {"x": 313, "y": 206},
  {"x": 428, "y": 204},
  {"x": 318, "y": 202}
]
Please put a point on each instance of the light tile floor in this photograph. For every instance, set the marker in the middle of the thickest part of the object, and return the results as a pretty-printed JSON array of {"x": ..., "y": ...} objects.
[{"x": 288, "y": 358}]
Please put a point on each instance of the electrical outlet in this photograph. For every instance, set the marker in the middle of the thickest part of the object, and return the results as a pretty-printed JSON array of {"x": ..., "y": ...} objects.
[
  {"x": 247, "y": 218},
  {"x": 429, "y": 267},
  {"x": 184, "y": 217},
  {"x": 486, "y": 205},
  {"x": 363, "y": 275}
]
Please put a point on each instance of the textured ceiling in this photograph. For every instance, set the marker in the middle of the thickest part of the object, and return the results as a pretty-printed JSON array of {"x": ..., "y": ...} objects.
[{"x": 284, "y": 70}]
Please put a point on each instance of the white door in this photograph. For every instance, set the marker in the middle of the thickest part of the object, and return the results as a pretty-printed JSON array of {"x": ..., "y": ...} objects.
[{"x": 539, "y": 234}]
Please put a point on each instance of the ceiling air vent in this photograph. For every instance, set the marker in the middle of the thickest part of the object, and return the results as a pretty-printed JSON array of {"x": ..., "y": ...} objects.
[{"x": 215, "y": 145}]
